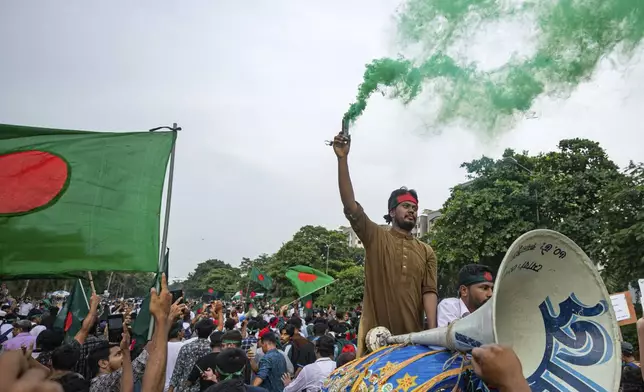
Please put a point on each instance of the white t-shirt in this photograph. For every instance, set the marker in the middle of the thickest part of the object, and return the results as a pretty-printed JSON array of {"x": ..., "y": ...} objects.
[
  {"x": 173, "y": 352},
  {"x": 36, "y": 330},
  {"x": 4, "y": 328},
  {"x": 450, "y": 309},
  {"x": 25, "y": 308}
]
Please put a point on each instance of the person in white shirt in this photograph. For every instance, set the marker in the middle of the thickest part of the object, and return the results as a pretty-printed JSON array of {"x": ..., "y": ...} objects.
[
  {"x": 25, "y": 308},
  {"x": 175, "y": 337},
  {"x": 475, "y": 287},
  {"x": 312, "y": 376}
]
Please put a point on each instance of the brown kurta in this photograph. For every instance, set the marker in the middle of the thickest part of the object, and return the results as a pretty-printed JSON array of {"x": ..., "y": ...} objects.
[{"x": 399, "y": 269}]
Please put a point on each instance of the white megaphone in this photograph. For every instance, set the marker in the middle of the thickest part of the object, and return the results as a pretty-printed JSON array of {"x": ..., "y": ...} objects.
[{"x": 551, "y": 306}]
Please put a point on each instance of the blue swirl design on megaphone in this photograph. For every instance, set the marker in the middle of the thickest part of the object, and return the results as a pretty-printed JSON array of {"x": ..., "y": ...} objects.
[{"x": 572, "y": 338}]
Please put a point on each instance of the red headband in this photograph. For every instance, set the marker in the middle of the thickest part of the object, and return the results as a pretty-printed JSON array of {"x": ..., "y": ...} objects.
[{"x": 406, "y": 197}]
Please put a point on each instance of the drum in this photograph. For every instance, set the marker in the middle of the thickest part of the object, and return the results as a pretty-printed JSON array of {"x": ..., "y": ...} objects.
[{"x": 404, "y": 369}]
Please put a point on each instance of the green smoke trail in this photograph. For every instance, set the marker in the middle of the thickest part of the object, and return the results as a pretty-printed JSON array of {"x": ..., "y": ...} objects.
[{"x": 574, "y": 35}]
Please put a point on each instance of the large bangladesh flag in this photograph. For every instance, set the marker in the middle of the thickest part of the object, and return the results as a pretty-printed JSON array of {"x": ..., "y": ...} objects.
[
  {"x": 78, "y": 201},
  {"x": 307, "y": 280},
  {"x": 261, "y": 278}
]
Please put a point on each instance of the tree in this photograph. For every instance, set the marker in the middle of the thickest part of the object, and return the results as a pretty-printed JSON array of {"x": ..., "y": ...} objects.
[
  {"x": 214, "y": 274},
  {"x": 348, "y": 290},
  {"x": 309, "y": 246},
  {"x": 622, "y": 238},
  {"x": 562, "y": 190}
]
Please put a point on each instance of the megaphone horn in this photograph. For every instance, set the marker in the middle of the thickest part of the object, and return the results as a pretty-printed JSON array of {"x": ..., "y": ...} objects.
[{"x": 551, "y": 306}]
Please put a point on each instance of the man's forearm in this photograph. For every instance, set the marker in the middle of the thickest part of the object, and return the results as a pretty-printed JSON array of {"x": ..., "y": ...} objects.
[
  {"x": 430, "y": 302},
  {"x": 127, "y": 378},
  {"x": 346, "y": 188},
  {"x": 154, "y": 375}
]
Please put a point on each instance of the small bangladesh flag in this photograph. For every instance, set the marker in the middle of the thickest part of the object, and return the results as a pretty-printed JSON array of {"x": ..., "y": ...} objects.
[
  {"x": 78, "y": 201},
  {"x": 307, "y": 280},
  {"x": 275, "y": 300},
  {"x": 70, "y": 318},
  {"x": 261, "y": 278},
  {"x": 307, "y": 302}
]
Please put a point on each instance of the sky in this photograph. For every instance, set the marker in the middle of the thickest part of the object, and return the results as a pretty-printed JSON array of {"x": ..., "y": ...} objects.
[{"x": 258, "y": 87}]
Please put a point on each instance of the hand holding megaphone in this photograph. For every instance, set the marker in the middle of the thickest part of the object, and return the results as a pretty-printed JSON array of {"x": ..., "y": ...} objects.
[{"x": 500, "y": 367}]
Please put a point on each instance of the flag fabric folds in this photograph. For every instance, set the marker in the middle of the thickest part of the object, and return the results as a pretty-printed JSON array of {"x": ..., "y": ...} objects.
[
  {"x": 70, "y": 317},
  {"x": 78, "y": 201},
  {"x": 261, "y": 278},
  {"x": 307, "y": 280},
  {"x": 237, "y": 296}
]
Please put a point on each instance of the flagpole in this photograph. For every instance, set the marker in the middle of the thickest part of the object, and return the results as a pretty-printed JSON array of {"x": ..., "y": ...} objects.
[
  {"x": 83, "y": 291},
  {"x": 250, "y": 268},
  {"x": 91, "y": 281},
  {"x": 166, "y": 220}
]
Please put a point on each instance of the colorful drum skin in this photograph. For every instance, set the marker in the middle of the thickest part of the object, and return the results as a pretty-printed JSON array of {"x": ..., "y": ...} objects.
[{"x": 399, "y": 368}]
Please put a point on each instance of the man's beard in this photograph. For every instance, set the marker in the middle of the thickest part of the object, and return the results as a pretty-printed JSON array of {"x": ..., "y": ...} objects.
[
  {"x": 478, "y": 306},
  {"x": 406, "y": 225}
]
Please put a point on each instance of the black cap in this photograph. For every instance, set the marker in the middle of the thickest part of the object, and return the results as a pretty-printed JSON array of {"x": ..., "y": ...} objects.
[
  {"x": 473, "y": 274},
  {"x": 627, "y": 348}
]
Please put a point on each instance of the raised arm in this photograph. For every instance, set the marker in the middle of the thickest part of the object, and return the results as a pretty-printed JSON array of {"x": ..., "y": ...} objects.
[
  {"x": 89, "y": 320},
  {"x": 341, "y": 147}
]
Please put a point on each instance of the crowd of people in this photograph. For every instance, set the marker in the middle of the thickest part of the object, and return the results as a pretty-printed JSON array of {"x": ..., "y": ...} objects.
[{"x": 208, "y": 346}]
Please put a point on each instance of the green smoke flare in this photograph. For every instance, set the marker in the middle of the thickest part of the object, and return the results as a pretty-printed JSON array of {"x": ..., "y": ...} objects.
[{"x": 574, "y": 35}]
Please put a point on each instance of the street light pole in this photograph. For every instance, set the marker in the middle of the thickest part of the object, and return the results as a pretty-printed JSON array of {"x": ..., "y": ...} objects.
[
  {"x": 536, "y": 192},
  {"x": 327, "y": 262}
]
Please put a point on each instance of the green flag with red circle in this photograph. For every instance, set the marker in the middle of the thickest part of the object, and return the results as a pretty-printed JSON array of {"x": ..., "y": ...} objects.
[
  {"x": 78, "y": 201},
  {"x": 261, "y": 278},
  {"x": 70, "y": 317},
  {"x": 307, "y": 280}
]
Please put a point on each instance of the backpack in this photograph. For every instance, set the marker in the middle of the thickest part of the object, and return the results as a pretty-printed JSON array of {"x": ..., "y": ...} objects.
[
  {"x": 343, "y": 345},
  {"x": 3, "y": 337}
]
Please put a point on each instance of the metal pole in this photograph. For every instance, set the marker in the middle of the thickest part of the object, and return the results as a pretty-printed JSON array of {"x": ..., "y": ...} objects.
[
  {"x": 250, "y": 268},
  {"x": 109, "y": 282},
  {"x": 166, "y": 221},
  {"x": 80, "y": 283},
  {"x": 24, "y": 290},
  {"x": 327, "y": 262}
]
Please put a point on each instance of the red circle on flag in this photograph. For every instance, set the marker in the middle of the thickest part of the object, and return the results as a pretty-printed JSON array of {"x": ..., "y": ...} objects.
[
  {"x": 260, "y": 277},
  {"x": 30, "y": 180},
  {"x": 308, "y": 304},
  {"x": 306, "y": 277},
  {"x": 487, "y": 276},
  {"x": 68, "y": 321},
  {"x": 210, "y": 291}
]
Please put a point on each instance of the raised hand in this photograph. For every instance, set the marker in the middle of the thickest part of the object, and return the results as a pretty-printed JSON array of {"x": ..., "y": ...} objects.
[
  {"x": 160, "y": 304},
  {"x": 125, "y": 340},
  {"x": 176, "y": 310},
  {"x": 341, "y": 145}
]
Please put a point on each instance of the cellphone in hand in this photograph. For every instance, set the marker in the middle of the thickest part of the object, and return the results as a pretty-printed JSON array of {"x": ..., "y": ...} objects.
[
  {"x": 115, "y": 322},
  {"x": 176, "y": 294}
]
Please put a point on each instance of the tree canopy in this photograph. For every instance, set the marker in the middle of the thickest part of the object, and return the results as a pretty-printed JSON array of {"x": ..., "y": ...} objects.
[{"x": 576, "y": 190}]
